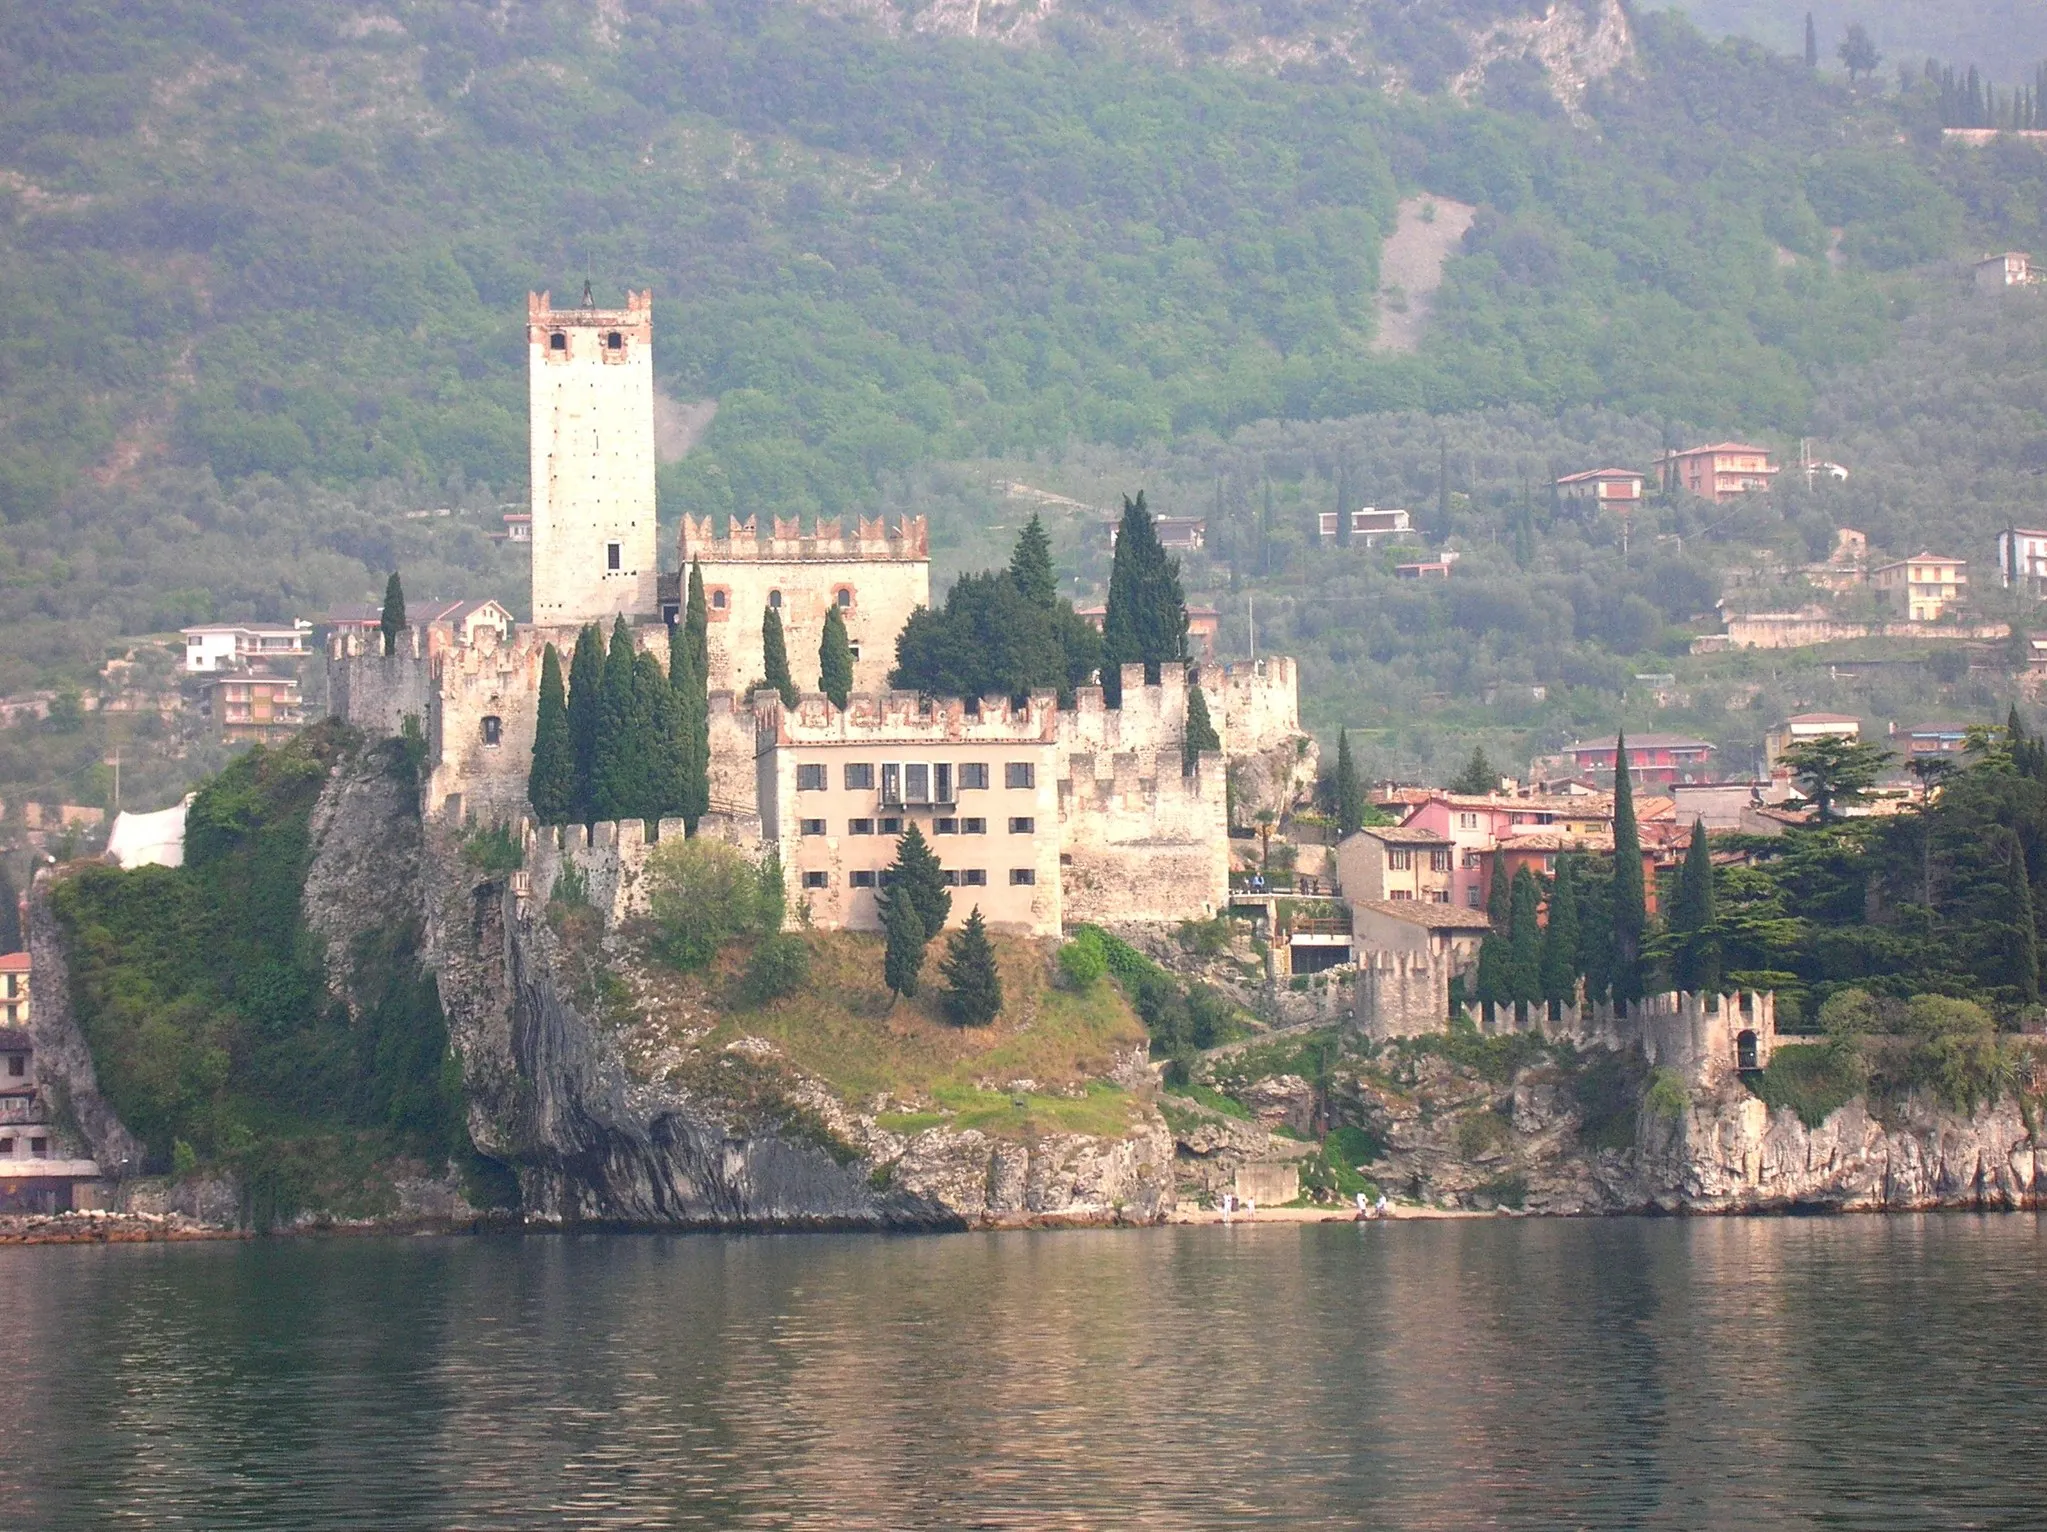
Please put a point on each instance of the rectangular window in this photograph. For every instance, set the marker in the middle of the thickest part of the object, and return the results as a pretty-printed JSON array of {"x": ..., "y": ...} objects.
[
  {"x": 1022, "y": 877},
  {"x": 859, "y": 827},
  {"x": 860, "y": 776},
  {"x": 1440, "y": 896},
  {"x": 1439, "y": 861},
  {"x": 973, "y": 774},
  {"x": 862, "y": 879},
  {"x": 1022, "y": 824},
  {"x": 891, "y": 827},
  {"x": 614, "y": 557},
  {"x": 493, "y": 730},
  {"x": 17, "y": 1066},
  {"x": 941, "y": 784},
  {"x": 39, "y": 1147},
  {"x": 6, "y": 1146},
  {"x": 975, "y": 877},
  {"x": 1473, "y": 898},
  {"x": 1472, "y": 859},
  {"x": 810, "y": 779},
  {"x": 1400, "y": 859},
  {"x": 1019, "y": 774},
  {"x": 891, "y": 783},
  {"x": 812, "y": 826},
  {"x": 973, "y": 827},
  {"x": 817, "y": 880},
  {"x": 1403, "y": 893},
  {"x": 917, "y": 783},
  {"x": 949, "y": 877},
  {"x": 1467, "y": 821},
  {"x": 945, "y": 827}
]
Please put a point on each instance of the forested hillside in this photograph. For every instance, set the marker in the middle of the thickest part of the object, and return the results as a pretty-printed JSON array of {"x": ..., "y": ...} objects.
[{"x": 267, "y": 266}]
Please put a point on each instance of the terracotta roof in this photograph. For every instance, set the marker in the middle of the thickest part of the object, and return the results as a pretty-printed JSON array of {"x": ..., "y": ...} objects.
[
  {"x": 1601, "y": 473},
  {"x": 1721, "y": 447},
  {"x": 1405, "y": 835},
  {"x": 14, "y": 962},
  {"x": 1425, "y": 912},
  {"x": 1823, "y": 718},
  {"x": 1645, "y": 742}
]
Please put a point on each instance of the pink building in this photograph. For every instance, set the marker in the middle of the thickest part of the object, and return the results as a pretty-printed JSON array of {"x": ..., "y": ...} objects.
[
  {"x": 1654, "y": 760},
  {"x": 1476, "y": 826}
]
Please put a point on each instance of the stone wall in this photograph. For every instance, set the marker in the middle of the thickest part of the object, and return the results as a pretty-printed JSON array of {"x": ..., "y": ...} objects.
[
  {"x": 1797, "y": 630},
  {"x": 1402, "y": 994},
  {"x": 1138, "y": 846},
  {"x": 479, "y": 771},
  {"x": 372, "y": 691},
  {"x": 734, "y": 724}
]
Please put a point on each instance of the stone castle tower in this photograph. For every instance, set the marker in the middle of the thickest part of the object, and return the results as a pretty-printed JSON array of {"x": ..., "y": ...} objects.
[{"x": 590, "y": 375}]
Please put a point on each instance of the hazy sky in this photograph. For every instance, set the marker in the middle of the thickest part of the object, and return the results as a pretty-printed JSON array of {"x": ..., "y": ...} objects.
[{"x": 2006, "y": 37}]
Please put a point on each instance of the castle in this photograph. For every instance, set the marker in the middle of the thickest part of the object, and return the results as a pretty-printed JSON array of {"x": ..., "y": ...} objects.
[{"x": 1041, "y": 816}]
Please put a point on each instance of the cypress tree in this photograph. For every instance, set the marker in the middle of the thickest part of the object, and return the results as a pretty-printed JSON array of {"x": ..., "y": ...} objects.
[
  {"x": 1595, "y": 934},
  {"x": 10, "y": 913},
  {"x": 618, "y": 768},
  {"x": 775, "y": 656},
  {"x": 1695, "y": 958},
  {"x": 1524, "y": 964},
  {"x": 696, "y": 622},
  {"x": 392, "y": 622},
  {"x": 658, "y": 720},
  {"x": 586, "y": 715},
  {"x": 1350, "y": 791},
  {"x": 1147, "y": 616},
  {"x": 1031, "y": 565},
  {"x": 1201, "y": 733},
  {"x": 692, "y": 725},
  {"x": 1630, "y": 909},
  {"x": 917, "y": 879},
  {"x": 1812, "y": 43},
  {"x": 1560, "y": 936},
  {"x": 1496, "y": 952},
  {"x": 973, "y": 995},
  {"x": 904, "y": 954},
  {"x": 835, "y": 658},
  {"x": 551, "y": 785},
  {"x": 2023, "y": 970}
]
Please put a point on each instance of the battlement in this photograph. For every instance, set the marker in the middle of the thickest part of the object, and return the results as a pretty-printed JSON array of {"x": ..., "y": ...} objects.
[
  {"x": 871, "y": 540},
  {"x": 903, "y": 718},
  {"x": 636, "y": 318}
]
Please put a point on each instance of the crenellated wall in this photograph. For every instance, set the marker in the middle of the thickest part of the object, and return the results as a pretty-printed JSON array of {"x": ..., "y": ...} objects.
[
  {"x": 1403, "y": 994},
  {"x": 476, "y": 771},
  {"x": 1140, "y": 841},
  {"x": 372, "y": 691}
]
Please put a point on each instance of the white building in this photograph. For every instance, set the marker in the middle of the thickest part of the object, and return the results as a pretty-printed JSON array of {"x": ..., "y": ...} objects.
[
  {"x": 215, "y": 647},
  {"x": 1368, "y": 525},
  {"x": 590, "y": 378},
  {"x": 1994, "y": 273},
  {"x": 2022, "y": 560}
]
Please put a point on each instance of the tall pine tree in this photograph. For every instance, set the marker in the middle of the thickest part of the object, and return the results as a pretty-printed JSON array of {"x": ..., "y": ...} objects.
[
  {"x": 392, "y": 621},
  {"x": 1695, "y": 939},
  {"x": 1201, "y": 733},
  {"x": 775, "y": 657},
  {"x": 1630, "y": 912},
  {"x": 903, "y": 958},
  {"x": 693, "y": 725},
  {"x": 551, "y": 785},
  {"x": 1030, "y": 565},
  {"x": 618, "y": 767},
  {"x": 1496, "y": 951},
  {"x": 1350, "y": 789},
  {"x": 586, "y": 715},
  {"x": 917, "y": 879},
  {"x": 1146, "y": 621},
  {"x": 973, "y": 995},
  {"x": 1595, "y": 932},
  {"x": 1524, "y": 963},
  {"x": 1812, "y": 43},
  {"x": 696, "y": 621},
  {"x": 835, "y": 658},
  {"x": 1560, "y": 937},
  {"x": 657, "y": 719}
]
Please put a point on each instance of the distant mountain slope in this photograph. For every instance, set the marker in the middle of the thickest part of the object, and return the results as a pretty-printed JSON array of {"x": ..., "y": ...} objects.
[{"x": 2006, "y": 37}]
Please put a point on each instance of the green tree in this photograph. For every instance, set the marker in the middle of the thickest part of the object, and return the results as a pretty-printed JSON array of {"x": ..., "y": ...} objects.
[
  {"x": 618, "y": 768},
  {"x": 1834, "y": 772},
  {"x": 986, "y": 641},
  {"x": 1479, "y": 776},
  {"x": 10, "y": 913},
  {"x": 1595, "y": 930},
  {"x": 916, "y": 879},
  {"x": 1524, "y": 962},
  {"x": 973, "y": 995},
  {"x": 392, "y": 622},
  {"x": 1495, "y": 979},
  {"x": 1695, "y": 921},
  {"x": 1351, "y": 803},
  {"x": 586, "y": 715},
  {"x": 692, "y": 725},
  {"x": 1030, "y": 565},
  {"x": 703, "y": 894},
  {"x": 903, "y": 957},
  {"x": 696, "y": 623},
  {"x": 658, "y": 718},
  {"x": 1629, "y": 910},
  {"x": 835, "y": 658},
  {"x": 551, "y": 785},
  {"x": 1201, "y": 733},
  {"x": 1560, "y": 936},
  {"x": 1812, "y": 43},
  {"x": 775, "y": 657},
  {"x": 1147, "y": 616},
  {"x": 1858, "y": 52}
]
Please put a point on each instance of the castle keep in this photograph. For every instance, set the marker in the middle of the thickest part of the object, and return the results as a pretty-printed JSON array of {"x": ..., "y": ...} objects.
[{"x": 590, "y": 393}]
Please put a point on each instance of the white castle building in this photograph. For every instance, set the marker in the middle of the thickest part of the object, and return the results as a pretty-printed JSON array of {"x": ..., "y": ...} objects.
[{"x": 1040, "y": 815}]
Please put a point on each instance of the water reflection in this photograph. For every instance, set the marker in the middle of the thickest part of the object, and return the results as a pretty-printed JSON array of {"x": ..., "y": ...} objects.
[{"x": 1848, "y": 1372}]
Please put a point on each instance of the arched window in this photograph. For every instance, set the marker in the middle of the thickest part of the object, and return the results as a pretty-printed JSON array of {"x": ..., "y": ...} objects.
[
  {"x": 775, "y": 600},
  {"x": 558, "y": 341},
  {"x": 844, "y": 596},
  {"x": 493, "y": 730},
  {"x": 718, "y": 599},
  {"x": 1745, "y": 1051}
]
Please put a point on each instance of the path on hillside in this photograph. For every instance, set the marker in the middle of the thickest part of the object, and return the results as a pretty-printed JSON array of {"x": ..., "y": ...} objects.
[{"x": 1427, "y": 232}]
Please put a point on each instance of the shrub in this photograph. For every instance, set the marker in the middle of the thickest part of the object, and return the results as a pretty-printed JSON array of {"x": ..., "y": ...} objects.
[
  {"x": 779, "y": 965},
  {"x": 1482, "y": 1132},
  {"x": 1083, "y": 959},
  {"x": 704, "y": 894},
  {"x": 494, "y": 851},
  {"x": 1667, "y": 1094},
  {"x": 1815, "y": 1080},
  {"x": 1206, "y": 938}
]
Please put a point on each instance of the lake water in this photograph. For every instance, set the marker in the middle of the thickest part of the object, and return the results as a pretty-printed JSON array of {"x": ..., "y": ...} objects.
[{"x": 1849, "y": 1372}]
